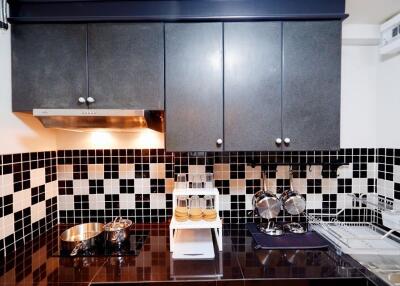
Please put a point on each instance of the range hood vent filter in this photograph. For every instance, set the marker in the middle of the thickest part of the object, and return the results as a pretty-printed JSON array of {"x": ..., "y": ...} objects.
[{"x": 110, "y": 119}]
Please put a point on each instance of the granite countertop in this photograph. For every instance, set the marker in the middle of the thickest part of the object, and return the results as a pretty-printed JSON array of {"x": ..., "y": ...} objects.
[{"x": 237, "y": 264}]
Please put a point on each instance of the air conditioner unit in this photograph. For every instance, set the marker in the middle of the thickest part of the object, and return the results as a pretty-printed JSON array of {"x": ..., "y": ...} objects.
[{"x": 390, "y": 36}]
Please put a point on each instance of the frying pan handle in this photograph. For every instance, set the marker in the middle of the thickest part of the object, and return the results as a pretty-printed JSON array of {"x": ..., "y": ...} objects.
[{"x": 77, "y": 247}]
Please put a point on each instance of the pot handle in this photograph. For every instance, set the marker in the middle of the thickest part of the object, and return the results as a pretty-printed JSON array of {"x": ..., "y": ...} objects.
[
  {"x": 77, "y": 247},
  {"x": 120, "y": 235}
]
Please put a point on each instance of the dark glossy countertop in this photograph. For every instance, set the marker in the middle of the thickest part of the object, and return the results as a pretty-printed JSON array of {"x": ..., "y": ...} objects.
[{"x": 237, "y": 264}]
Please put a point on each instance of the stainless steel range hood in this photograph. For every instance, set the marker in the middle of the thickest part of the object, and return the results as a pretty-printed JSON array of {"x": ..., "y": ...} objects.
[{"x": 94, "y": 119}]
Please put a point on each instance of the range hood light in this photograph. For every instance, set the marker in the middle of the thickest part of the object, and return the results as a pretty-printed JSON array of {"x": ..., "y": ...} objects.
[{"x": 101, "y": 119}]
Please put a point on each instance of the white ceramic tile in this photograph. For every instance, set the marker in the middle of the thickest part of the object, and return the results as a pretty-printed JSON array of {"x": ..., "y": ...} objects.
[
  {"x": 51, "y": 190},
  {"x": 329, "y": 186},
  {"x": 314, "y": 172},
  {"x": 224, "y": 202},
  {"x": 222, "y": 171},
  {"x": 38, "y": 211},
  {"x": 270, "y": 184},
  {"x": 282, "y": 172},
  {"x": 38, "y": 177},
  {"x": 372, "y": 170},
  {"x": 2, "y": 234},
  {"x": 314, "y": 201},
  {"x": 341, "y": 201},
  {"x": 8, "y": 224},
  {"x": 111, "y": 186},
  {"x": 21, "y": 200},
  {"x": 65, "y": 172},
  {"x": 127, "y": 201},
  {"x": 157, "y": 201},
  {"x": 97, "y": 201},
  {"x": 197, "y": 169},
  {"x": 81, "y": 187},
  {"x": 96, "y": 171},
  {"x": 300, "y": 185},
  {"x": 396, "y": 173},
  {"x": 157, "y": 170},
  {"x": 249, "y": 202},
  {"x": 142, "y": 186},
  {"x": 66, "y": 203},
  {"x": 7, "y": 185},
  {"x": 237, "y": 186},
  {"x": 345, "y": 171}
]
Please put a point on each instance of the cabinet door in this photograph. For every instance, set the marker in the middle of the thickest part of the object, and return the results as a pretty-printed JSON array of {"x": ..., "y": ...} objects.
[
  {"x": 194, "y": 87},
  {"x": 48, "y": 66},
  {"x": 311, "y": 84},
  {"x": 252, "y": 99},
  {"x": 126, "y": 65}
]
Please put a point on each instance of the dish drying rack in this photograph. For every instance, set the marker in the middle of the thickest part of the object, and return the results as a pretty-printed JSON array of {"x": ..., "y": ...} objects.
[{"x": 358, "y": 237}]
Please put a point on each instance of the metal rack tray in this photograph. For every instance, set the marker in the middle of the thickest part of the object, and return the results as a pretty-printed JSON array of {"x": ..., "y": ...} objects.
[{"x": 357, "y": 237}]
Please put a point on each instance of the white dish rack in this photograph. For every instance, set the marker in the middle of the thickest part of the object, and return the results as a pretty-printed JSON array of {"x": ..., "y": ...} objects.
[
  {"x": 178, "y": 244},
  {"x": 358, "y": 237}
]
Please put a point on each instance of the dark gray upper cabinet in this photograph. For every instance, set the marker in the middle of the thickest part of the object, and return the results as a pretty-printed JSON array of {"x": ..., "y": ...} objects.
[
  {"x": 194, "y": 86},
  {"x": 311, "y": 85},
  {"x": 48, "y": 66},
  {"x": 252, "y": 98},
  {"x": 126, "y": 65}
]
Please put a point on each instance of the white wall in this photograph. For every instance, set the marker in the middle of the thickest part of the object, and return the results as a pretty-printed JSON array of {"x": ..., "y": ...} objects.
[
  {"x": 388, "y": 114},
  {"x": 18, "y": 133},
  {"x": 358, "y": 111},
  {"x": 359, "y": 86}
]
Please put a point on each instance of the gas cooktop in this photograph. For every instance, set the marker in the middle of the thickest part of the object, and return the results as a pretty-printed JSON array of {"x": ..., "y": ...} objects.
[{"x": 131, "y": 247}]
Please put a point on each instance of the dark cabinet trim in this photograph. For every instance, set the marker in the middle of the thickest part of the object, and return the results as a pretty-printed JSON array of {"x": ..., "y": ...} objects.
[{"x": 173, "y": 10}]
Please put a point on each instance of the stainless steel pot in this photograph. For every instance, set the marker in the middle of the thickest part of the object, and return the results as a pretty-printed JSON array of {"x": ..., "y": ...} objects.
[
  {"x": 82, "y": 237},
  {"x": 266, "y": 204},
  {"x": 293, "y": 202},
  {"x": 117, "y": 231}
]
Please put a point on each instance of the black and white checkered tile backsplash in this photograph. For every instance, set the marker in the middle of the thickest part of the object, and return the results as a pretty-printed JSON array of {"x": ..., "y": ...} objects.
[
  {"x": 97, "y": 185},
  {"x": 39, "y": 189},
  {"x": 388, "y": 177},
  {"x": 28, "y": 197}
]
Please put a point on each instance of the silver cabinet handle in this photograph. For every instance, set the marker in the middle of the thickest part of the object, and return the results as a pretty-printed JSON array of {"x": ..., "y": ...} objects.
[
  {"x": 81, "y": 99},
  {"x": 219, "y": 141},
  {"x": 278, "y": 141},
  {"x": 287, "y": 141},
  {"x": 90, "y": 99}
]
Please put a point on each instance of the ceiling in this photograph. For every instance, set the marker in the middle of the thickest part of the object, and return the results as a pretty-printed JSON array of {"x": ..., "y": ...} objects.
[{"x": 371, "y": 11}]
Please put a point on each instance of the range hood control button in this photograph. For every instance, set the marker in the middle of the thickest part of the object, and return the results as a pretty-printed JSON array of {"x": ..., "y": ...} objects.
[
  {"x": 90, "y": 99},
  {"x": 81, "y": 100}
]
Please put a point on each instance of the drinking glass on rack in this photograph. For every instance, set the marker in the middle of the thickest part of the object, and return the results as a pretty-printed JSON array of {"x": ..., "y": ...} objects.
[
  {"x": 209, "y": 202},
  {"x": 196, "y": 181},
  {"x": 181, "y": 182},
  {"x": 209, "y": 180},
  {"x": 182, "y": 202},
  {"x": 194, "y": 202}
]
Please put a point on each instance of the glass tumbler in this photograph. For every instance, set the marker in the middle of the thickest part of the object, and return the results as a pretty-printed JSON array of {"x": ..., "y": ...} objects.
[
  {"x": 195, "y": 181},
  {"x": 182, "y": 202},
  {"x": 209, "y": 202},
  {"x": 181, "y": 182},
  {"x": 194, "y": 202},
  {"x": 209, "y": 180}
]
